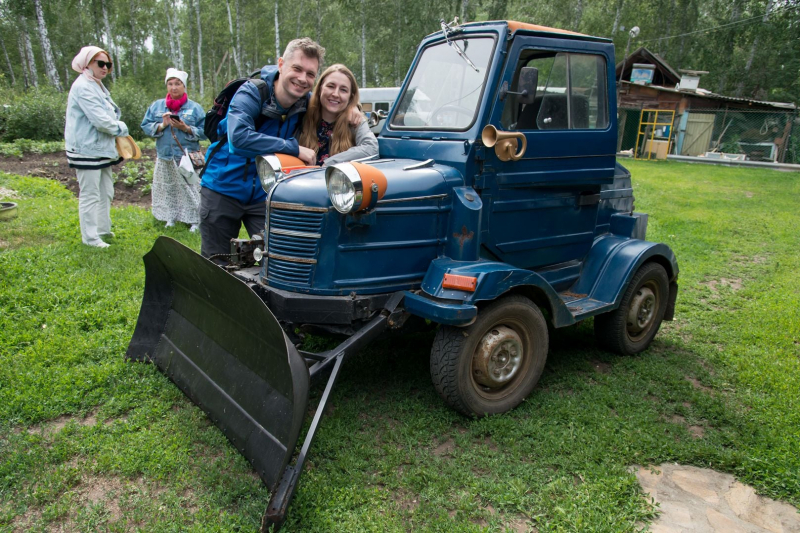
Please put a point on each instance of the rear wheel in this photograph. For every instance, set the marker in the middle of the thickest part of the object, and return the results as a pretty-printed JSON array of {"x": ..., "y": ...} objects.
[
  {"x": 492, "y": 365},
  {"x": 630, "y": 328}
]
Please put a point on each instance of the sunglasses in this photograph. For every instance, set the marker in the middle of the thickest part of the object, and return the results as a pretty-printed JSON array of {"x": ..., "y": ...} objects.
[{"x": 104, "y": 64}]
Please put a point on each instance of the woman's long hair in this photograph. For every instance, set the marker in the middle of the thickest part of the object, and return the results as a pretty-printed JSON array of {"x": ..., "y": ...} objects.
[{"x": 342, "y": 137}]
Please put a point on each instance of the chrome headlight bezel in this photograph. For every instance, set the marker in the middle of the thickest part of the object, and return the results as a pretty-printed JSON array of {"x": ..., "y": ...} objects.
[
  {"x": 352, "y": 180},
  {"x": 269, "y": 171}
]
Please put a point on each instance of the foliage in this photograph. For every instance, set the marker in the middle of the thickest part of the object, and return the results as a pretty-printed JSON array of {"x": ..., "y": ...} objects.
[
  {"x": 760, "y": 53},
  {"x": 133, "y": 102},
  {"x": 134, "y": 173},
  {"x": 38, "y": 114},
  {"x": 389, "y": 455}
]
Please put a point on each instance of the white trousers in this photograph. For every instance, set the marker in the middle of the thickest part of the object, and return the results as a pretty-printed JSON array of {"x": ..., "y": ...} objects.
[{"x": 94, "y": 203}]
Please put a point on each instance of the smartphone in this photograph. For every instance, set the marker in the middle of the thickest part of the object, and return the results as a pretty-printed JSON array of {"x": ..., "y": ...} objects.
[{"x": 176, "y": 118}]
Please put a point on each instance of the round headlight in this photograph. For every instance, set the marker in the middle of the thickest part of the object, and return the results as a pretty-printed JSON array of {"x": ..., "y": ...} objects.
[
  {"x": 341, "y": 189},
  {"x": 268, "y": 168}
]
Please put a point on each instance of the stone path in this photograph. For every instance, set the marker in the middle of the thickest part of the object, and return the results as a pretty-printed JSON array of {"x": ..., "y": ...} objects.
[{"x": 700, "y": 500}]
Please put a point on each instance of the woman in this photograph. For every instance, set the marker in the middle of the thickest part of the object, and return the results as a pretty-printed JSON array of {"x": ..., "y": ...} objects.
[
  {"x": 175, "y": 199},
  {"x": 325, "y": 126},
  {"x": 89, "y": 137}
]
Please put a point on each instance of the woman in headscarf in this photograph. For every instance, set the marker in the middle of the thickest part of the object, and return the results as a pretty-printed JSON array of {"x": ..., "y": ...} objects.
[
  {"x": 177, "y": 124},
  {"x": 326, "y": 127},
  {"x": 89, "y": 136}
]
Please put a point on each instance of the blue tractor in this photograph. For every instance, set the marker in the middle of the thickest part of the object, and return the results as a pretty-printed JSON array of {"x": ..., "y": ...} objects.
[{"x": 495, "y": 207}]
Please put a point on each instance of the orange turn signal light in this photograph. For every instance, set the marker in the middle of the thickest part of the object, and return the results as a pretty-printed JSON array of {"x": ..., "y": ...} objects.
[{"x": 460, "y": 283}]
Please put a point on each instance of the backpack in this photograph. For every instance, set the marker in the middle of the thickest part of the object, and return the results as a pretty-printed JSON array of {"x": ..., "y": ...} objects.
[
  {"x": 223, "y": 101},
  {"x": 220, "y": 109}
]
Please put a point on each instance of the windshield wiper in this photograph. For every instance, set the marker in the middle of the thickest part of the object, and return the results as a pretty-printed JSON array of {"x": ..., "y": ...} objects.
[{"x": 447, "y": 29}]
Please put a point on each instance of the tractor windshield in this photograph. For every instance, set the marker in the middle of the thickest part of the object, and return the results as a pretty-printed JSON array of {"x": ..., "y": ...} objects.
[{"x": 445, "y": 90}]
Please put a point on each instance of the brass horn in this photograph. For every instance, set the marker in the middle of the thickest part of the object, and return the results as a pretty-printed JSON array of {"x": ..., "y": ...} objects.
[{"x": 504, "y": 142}]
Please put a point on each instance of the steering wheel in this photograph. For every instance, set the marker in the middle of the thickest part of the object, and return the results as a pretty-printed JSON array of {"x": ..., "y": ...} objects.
[{"x": 441, "y": 117}]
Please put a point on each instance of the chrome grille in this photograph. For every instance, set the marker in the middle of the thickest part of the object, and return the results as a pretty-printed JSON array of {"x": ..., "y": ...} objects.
[{"x": 293, "y": 243}]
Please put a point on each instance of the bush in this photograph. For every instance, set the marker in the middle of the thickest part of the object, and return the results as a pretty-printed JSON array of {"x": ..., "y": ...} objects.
[
  {"x": 38, "y": 114},
  {"x": 133, "y": 100}
]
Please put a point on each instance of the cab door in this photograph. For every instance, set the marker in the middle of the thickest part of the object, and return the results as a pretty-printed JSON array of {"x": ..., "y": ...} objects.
[{"x": 542, "y": 208}]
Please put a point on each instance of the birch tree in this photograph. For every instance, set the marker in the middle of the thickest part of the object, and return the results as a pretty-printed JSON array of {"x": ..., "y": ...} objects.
[
  {"x": 363, "y": 44},
  {"x": 175, "y": 51},
  {"x": 47, "y": 49},
  {"x": 277, "y": 34},
  {"x": 234, "y": 41},
  {"x": 28, "y": 56},
  {"x": 8, "y": 62},
  {"x": 110, "y": 43},
  {"x": 752, "y": 55}
]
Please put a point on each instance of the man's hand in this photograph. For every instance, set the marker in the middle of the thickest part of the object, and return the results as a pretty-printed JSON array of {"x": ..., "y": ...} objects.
[
  {"x": 308, "y": 156},
  {"x": 356, "y": 117}
]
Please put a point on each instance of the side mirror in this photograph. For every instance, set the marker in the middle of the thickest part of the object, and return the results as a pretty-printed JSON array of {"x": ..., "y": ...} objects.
[{"x": 528, "y": 81}]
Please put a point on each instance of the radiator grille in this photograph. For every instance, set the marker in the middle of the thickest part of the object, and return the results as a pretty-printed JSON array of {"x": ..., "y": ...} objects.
[{"x": 293, "y": 244}]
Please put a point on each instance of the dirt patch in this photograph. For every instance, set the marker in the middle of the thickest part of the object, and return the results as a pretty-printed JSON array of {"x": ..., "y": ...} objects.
[
  {"x": 445, "y": 448},
  {"x": 52, "y": 427},
  {"x": 735, "y": 284},
  {"x": 698, "y": 432},
  {"x": 601, "y": 367},
  {"x": 405, "y": 501},
  {"x": 8, "y": 194},
  {"x": 748, "y": 194},
  {"x": 54, "y": 166},
  {"x": 699, "y": 386}
]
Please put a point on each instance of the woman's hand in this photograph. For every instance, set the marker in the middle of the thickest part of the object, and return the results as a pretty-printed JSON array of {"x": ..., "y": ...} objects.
[
  {"x": 308, "y": 156},
  {"x": 166, "y": 122},
  {"x": 356, "y": 117}
]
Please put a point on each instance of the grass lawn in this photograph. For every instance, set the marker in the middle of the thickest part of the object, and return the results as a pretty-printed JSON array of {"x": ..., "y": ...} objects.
[{"x": 89, "y": 442}]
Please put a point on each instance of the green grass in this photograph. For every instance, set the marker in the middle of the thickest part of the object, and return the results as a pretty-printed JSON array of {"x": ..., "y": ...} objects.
[{"x": 89, "y": 442}]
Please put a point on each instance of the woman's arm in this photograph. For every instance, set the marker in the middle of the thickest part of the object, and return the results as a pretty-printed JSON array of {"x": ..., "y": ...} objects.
[
  {"x": 152, "y": 120},
  {"x": 94, "y": 107},
  {"x": 366, "y": 146},
  {"x": 196, "y": 132}
]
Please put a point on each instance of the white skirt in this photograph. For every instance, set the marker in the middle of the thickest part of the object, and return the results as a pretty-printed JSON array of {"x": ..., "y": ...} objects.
[{"x": 173, "y": 198}]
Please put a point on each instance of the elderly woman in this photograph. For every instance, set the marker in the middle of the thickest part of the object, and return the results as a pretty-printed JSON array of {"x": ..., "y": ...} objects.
[
  {"x": 177, "y": 124},
  {"x": 89, "y": 136}
]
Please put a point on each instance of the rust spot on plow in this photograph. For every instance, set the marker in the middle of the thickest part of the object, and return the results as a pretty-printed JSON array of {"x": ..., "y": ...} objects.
[{"x": 465, "y": 235}]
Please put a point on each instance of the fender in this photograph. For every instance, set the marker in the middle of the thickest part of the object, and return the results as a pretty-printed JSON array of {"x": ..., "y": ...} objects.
[{"x": 612, "y": 262}]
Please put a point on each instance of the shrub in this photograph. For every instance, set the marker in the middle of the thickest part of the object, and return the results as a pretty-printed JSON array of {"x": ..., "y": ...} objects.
[
  {"x": 38, "y": 114},
  {"x": 133, "y": 101}
]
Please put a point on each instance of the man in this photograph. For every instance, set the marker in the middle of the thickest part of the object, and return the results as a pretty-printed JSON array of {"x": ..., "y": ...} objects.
[{"x": 231, "y": 193}]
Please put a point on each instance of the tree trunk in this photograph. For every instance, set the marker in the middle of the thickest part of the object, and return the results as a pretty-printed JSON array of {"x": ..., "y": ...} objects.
[
  {"x": 173, "y": 57},
  {"x": 8, "y": 62},
  {"x": 398, "y": 27},
  {"x": 199, "y": 49},
  {"x": 578, "y": 15},
  {"x": 239, "y": 34},
  {"x": 363, "y": 44},
  {"x": 617, "y": 18},
  {"x": 319, "y": 22},
  {"x": 299, "y": 13},
  {"x": 47, "y": 50},
  {"x": 110, "y": 43},
  {"x": 26, "y": 81},
  {"x": 464, "y": 11},
  {"x": 30, "y": 58},
  {"x": 753, "y": 47},
  {"x": 234, "y": 40},
  {"x": 277, "y": 34}
]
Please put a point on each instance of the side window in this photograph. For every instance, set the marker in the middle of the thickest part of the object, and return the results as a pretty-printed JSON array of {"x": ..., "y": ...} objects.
[
  {"x": 570, "y": 93},
  {"x": 366, "y": 106},
  {"x": 382, "y": 106}
]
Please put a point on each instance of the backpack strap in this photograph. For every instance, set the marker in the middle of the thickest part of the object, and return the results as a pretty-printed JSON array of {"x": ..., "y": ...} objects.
[{"x": 263, "y": 92}]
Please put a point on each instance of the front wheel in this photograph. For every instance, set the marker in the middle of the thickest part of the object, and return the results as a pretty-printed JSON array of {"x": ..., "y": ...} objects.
[
  {"x": 492, "y": 365},
  {"x": 630, "y": 328}
]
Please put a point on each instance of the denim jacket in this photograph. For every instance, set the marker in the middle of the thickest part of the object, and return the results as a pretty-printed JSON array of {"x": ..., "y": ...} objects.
[
  {"x": 92, "y": 120},
  {"x": 192, "y": 115}
]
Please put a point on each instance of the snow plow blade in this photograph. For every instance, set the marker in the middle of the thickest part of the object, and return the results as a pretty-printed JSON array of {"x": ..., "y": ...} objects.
[{"x": 217, "y": 340}]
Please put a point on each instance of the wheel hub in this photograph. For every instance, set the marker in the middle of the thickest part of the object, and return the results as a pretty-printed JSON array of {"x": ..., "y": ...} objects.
[
  {"x": 642, "y": 311},
  {"x": 498, "y": 357}
]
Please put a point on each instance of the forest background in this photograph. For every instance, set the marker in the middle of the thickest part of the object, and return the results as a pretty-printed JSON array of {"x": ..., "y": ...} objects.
[{"x": 751, "y": 48}]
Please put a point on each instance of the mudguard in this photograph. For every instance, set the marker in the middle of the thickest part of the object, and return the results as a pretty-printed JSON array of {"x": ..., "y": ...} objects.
[{"x": 221, "y": 345}]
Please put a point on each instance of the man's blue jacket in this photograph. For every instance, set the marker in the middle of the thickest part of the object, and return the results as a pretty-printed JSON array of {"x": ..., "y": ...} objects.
[{"x": 232, "y": 172}]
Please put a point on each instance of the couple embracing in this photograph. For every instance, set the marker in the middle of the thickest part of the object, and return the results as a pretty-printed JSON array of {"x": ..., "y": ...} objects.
[{"x": 321, "y": 128}]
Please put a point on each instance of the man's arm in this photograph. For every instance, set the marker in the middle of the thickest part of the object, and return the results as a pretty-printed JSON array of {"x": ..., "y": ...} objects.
[{"x": 243, "y": 139}]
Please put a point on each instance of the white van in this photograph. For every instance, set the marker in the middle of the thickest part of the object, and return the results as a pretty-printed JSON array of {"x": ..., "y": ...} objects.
[{"x": 377, "y": 99}]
